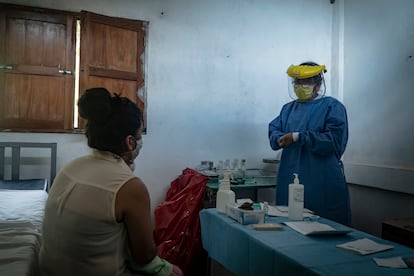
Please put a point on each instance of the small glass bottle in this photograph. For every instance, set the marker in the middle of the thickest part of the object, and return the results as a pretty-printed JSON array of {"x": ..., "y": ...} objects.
[
  {"x": 243, "y": 167},
  {"x": 266, "y": 210}
]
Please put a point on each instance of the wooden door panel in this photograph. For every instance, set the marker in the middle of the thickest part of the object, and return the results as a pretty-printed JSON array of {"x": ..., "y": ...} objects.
[
  {"x": 35, "y": 43},
  {"x": 116, "y": 48},
  {"x": 124, "y": 88},
  {"x": 112, "y": 55},
  {"x": 114, "y": 74},
  {"x": 21, "y": 101},
  {"x": 38, "y": 50},
  {"x": 33, "y": 69}
]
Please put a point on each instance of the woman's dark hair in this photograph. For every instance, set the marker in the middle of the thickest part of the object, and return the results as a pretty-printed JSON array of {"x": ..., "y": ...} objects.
[
  {"x": 110, "y": 118},
  {"x": 318, "y": 78}
]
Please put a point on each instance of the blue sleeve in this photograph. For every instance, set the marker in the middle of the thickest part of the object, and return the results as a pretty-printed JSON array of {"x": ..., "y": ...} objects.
[{"x": 333, "y": 137}]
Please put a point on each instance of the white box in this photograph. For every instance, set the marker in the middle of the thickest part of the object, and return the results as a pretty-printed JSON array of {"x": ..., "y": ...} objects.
[{"x": 245, "y": 216}]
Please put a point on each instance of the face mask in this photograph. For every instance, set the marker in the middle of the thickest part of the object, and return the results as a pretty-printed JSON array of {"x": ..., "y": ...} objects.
[
  {"x": 303, "y": 91},
  {"x": 135, "y": 153}
]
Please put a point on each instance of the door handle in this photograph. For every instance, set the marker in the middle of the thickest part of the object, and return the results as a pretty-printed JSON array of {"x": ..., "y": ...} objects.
[
  {"x": 6, "y": 67},
  {"x": 65, "y": 72}
]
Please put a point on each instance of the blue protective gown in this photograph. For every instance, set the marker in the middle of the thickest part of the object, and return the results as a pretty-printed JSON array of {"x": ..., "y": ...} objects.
[{"x": 315, "y": 156}]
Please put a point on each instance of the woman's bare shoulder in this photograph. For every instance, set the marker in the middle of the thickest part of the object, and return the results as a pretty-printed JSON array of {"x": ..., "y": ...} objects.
[{"x": 133, "y": 196}]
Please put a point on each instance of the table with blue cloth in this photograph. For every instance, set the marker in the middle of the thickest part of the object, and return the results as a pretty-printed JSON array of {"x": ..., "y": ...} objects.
[{"x": 245, "y": 251}]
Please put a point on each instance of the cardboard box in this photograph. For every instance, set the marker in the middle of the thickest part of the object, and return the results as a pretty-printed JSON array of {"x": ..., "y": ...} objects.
[{"x": 245, "y": 216}]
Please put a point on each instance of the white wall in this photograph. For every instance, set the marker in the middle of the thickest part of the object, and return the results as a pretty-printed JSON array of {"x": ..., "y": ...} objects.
[
  {"x": 378, "y": 74},
  {"x": 378, "y": 83},
  {"x": 216, "y": 77}
]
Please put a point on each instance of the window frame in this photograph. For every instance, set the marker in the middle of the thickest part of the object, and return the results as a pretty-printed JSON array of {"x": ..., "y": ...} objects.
[{"x": 138, "y": 95}]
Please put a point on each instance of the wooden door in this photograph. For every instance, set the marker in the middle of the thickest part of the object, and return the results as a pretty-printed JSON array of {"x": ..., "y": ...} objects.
[
  {"x": 112, "y": 56},
  {"x": 36, "y": 69}
]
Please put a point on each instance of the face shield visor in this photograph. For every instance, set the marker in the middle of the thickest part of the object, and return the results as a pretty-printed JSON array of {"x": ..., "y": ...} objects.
[{"x": 306, "y": 82}]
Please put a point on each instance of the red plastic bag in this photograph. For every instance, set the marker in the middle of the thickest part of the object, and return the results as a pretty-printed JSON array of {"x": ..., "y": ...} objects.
[{"x": 177, "y": 222}]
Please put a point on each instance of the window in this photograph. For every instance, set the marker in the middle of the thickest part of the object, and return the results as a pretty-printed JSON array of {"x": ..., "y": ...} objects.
[{"x": 40, "y": 74}]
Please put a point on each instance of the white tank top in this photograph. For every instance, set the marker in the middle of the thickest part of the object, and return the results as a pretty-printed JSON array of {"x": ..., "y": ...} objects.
[{"x": 80, "y": 232}]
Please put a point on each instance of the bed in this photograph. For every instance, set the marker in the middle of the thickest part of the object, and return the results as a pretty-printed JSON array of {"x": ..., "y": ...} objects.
[{"x": 22, "y": 201}]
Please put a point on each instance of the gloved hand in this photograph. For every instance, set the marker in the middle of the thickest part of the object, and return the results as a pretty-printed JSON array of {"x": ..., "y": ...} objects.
[
  {"x": 176, "y": 271},
  {"x": 285, "y": 140},
  {"x": 157, "y": 267}
]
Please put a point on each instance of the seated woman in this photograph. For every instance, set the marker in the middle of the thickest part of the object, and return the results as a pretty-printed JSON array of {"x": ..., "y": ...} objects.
[{"x": 98, "y": 214}]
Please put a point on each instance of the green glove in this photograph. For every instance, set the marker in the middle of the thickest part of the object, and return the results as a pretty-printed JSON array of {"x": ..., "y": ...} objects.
[{"x": 157, "y": 267}]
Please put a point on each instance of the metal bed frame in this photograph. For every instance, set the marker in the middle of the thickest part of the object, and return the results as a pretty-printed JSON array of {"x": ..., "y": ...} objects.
[{"x": 15, "y": 182}]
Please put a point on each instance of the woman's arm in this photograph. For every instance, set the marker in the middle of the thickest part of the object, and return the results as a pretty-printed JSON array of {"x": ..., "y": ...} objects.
[{"x": 133, "y": 208}]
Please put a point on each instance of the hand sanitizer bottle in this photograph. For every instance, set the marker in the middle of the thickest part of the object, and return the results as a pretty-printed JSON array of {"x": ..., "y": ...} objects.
[
  {"x": 295, "y": 205},
  {"x": 225, "y": 195}
]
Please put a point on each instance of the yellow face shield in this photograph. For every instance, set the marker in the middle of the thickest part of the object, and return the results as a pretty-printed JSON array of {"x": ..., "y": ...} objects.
[
  {"x": 305, "y": 71},
  {"x": 306, "y": 82}
]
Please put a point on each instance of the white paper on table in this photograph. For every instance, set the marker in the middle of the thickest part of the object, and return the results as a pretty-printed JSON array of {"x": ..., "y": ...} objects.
[
  {"x": 365, "y": 246},
  {"x": 282, "y": 211},
  {"x": 314, "y": 228},
  {"x": 394, "y": 262}
]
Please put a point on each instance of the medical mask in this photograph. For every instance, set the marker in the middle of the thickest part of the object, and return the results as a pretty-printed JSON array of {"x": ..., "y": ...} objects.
[
  {"x": 304, "y": 91},
  {"x": 135, "y": 153}
]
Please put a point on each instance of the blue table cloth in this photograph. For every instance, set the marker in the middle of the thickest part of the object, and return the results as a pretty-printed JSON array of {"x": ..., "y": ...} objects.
[{"x": 245, "y": 251}]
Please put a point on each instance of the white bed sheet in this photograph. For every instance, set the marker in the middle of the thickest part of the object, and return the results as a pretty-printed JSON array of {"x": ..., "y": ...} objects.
[
  {"x": 23, "y": 205},
  {"x": 21, "y": 214}
]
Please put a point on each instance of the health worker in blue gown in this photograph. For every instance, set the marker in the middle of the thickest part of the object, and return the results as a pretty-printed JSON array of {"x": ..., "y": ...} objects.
[{"x": 312, "y": 130}]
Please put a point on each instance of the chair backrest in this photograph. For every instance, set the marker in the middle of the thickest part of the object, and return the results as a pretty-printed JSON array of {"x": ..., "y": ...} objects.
[{"x": 16, "y": 158}]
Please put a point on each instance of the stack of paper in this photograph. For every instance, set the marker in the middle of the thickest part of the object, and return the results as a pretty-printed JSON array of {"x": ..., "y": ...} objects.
[
  {"x": 394, "y": 262},
  {"x": 364, "y": 246},
  {"x": 282, "y": 211},
  {"x": 310, "y": 228}
]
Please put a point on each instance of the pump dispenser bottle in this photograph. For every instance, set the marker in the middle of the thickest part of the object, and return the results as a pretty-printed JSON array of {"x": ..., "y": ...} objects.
[
  {"x": 295, "y": 205},
  {"x": 225, "y": 195}
]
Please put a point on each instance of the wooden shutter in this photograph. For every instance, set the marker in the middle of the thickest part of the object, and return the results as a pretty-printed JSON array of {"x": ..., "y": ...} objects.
[
  {"x": 36, "y": 65},
  {"x": 112, "y": 56}
]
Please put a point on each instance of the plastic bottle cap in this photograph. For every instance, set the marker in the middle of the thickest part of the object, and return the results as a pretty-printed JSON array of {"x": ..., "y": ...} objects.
[{"x": 296, "y": 180}]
